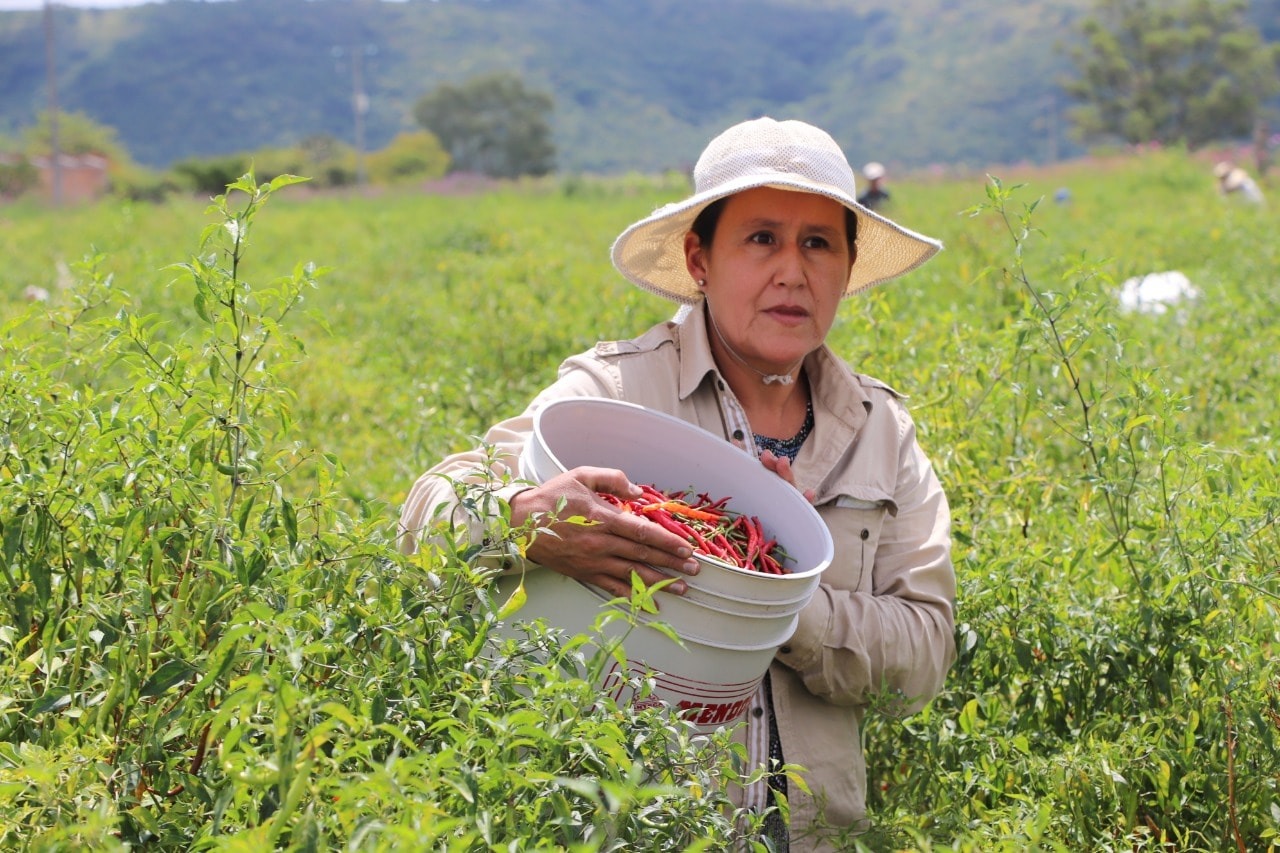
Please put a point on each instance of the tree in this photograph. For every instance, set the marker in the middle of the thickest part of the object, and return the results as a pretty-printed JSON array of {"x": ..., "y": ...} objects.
[
  {"x": 1170, "y": 71},
  {"x": 77, "y": 134},
  {"x": 491, "y": 124},
  {"x": 409, "y": 156}
]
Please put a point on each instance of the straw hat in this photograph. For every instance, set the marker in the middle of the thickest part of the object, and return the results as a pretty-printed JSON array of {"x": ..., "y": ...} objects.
[
  {"x": 787, "y": 155},
  {"x": 873, "y": 171}
]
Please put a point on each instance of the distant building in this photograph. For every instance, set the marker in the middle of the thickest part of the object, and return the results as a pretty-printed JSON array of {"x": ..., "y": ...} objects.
[{"x": 83, "y": 177}]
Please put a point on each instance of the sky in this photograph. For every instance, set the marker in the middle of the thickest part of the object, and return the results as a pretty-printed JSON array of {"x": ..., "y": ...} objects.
[
  {"x": 10, "y": 5},
  {"x": 17, "y": 5}
]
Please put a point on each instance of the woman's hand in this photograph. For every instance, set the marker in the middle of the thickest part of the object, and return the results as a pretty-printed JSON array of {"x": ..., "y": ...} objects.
[
  {"x": 606, "y": 551},
  {"x": 781, "y": 466}
]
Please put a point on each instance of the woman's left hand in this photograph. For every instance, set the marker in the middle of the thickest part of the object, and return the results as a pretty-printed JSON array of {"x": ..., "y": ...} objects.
[{"x": 781, "y": 466}]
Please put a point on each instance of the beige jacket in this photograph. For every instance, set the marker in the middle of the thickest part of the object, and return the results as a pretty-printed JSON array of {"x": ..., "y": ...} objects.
[{"x": 880, "y": 626}]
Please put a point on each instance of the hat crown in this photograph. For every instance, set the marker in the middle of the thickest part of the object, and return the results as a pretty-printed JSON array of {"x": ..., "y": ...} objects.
[{"x": 793, "y": 151}]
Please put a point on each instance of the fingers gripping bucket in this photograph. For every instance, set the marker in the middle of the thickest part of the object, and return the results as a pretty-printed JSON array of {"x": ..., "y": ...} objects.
[{"x": 731, "y": 621}]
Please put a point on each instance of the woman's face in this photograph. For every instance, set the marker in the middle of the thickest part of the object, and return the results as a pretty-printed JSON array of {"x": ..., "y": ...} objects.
[{"x": 774, "y": 272}]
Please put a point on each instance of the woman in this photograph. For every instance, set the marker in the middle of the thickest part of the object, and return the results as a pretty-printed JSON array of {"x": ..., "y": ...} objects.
[{"x": 761, "y": 255}]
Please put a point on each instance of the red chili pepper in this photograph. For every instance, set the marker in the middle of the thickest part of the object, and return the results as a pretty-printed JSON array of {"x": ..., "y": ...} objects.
[
  {"x": 705, "y": 501},
  {"x": 707, "y": 525},
  {"x": 713, "y": 548},
  {"x": 663, "y": 518},
  {"x": 687, "y": 532},
  {"x": 652, "y": 494},
  {"x": 727, "y": 550}
]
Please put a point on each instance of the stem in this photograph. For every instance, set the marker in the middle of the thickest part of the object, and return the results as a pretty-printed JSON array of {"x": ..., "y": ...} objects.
[
  {"x": 1231, "y": 774},
  {"x": 235, "y": 405},
  {"x": 1119, "y": 529}
]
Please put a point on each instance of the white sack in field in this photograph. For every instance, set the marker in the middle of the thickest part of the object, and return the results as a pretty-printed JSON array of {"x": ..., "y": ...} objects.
[{"x": 1155, "y": 293}]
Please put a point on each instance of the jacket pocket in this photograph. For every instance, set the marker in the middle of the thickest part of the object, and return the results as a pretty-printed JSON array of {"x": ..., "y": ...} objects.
[{"x": 855, "y": 526}]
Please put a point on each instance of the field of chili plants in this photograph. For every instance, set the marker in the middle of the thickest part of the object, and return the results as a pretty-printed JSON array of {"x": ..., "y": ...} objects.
[{"x": 208, "y": 640}]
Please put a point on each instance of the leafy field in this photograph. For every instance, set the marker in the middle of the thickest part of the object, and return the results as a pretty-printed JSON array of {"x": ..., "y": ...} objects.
[{"x": 208, "y": 641}]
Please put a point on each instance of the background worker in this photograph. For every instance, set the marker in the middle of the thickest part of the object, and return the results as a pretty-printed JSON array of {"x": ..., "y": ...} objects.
[{"x": 875, "y": 195}]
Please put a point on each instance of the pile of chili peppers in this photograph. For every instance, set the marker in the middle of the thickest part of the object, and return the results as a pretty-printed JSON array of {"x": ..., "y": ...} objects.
[{"x": 709, "y": 527}]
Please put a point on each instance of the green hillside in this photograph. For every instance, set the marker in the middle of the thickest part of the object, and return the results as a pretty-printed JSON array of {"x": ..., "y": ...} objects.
[{"x": 637, "y": 85}]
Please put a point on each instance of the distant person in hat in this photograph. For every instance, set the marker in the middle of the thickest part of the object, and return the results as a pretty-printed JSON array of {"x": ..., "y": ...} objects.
[
  {"x": 875, "y": 195},
  {"x": 1234, "y": 180},
  {"x": 761, "y": 257}
]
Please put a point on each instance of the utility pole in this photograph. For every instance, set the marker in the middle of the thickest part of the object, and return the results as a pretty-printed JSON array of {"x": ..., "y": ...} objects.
[
  {"x": 1051, "y": 122},
  {"x": 360, "y": 106},
  {"x": 1261, "y": 146},
  {"x": 359, "y": 98},
  {"x": 51, "y": 74}
]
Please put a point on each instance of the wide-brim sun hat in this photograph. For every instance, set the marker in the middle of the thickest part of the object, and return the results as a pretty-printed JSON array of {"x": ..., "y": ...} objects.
[
  {"x": 787, "y": 155},
  {"x": 873, "y": 171}
]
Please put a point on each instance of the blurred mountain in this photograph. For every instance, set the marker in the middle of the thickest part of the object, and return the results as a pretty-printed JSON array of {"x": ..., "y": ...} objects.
[{"x": 638, "y": 84}]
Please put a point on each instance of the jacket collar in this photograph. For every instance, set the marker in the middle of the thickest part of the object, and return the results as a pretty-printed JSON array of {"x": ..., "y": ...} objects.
[{"x": 696, "y": 362}]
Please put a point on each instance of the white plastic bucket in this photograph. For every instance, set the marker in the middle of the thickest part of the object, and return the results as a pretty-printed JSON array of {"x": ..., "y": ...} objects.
[{"x": 731, "y": 620}]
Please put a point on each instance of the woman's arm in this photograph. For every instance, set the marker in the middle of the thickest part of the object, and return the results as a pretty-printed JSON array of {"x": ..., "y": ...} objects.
[
  {"x": 895, "y": 638},
  {"x": 604, "y": 550}
]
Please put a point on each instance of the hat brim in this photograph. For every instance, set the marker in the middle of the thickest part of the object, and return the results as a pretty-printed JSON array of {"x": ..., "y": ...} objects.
[{"x": 650, "y": 253}]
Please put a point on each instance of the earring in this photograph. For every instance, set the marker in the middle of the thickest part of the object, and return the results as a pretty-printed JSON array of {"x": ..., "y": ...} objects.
[{"x": 702, "y": 282}]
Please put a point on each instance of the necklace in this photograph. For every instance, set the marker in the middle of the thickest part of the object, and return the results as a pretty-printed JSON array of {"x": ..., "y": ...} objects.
[
  {"x": 766, "y": 378},
  {"x": 788, "y": 447}
]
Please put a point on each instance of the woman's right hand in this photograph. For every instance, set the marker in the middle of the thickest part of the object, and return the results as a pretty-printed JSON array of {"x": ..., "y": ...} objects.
[
  {"x": 781, "y": 466},
  {"x": 616, "y": 543}
]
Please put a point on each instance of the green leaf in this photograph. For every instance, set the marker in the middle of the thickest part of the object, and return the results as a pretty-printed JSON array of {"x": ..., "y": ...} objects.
[
  {"x": 514, "y": 603},
  {"x": 12, "y": 534},
  {"x": 242, "y": 513},
  {"x": 223, "y": 656},
  {"x": 52, "y": 700},
  {"x": 1134, "y": 423},
  {"x": 290, "y": 522},
  {"x": 201, "y": 303},
  {"x": 168, "y": 676},
  {"x": 285, "y": 181},
  {"x": 189, "y": 423},
  {"x": 41, "y": 576},
  {"x": 969, "y": 717}
]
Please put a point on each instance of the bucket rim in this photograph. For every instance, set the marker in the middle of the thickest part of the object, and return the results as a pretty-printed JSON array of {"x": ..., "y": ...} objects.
[
  {"x": 800, "y": 504},
  {"x": 750, "y": 573},
  {"x": 694, "y": 582}
]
